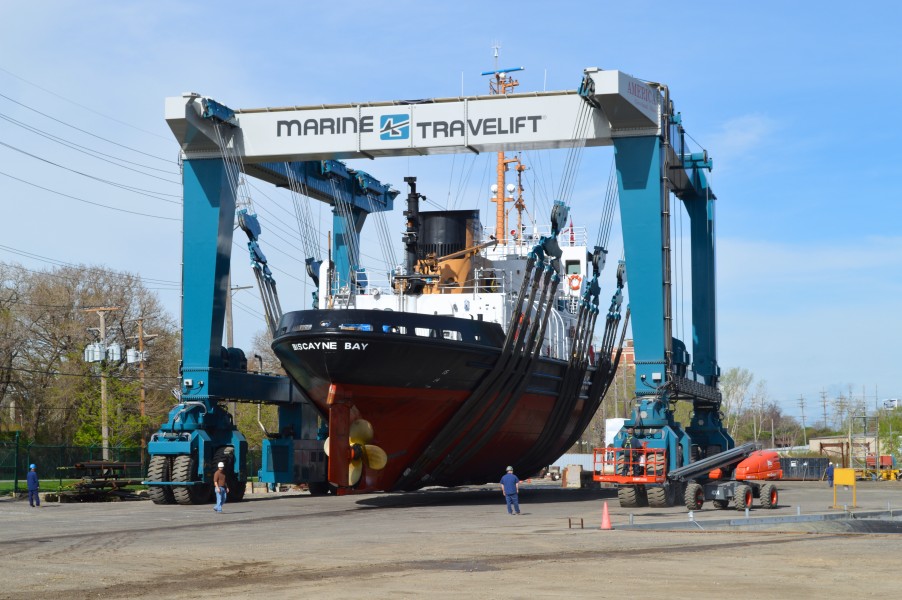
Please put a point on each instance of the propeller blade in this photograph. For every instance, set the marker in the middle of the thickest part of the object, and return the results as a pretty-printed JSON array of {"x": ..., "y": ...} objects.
[
  {"x": 355, "y": 470},
  {"x": 360, "y": 432},
  {"x": 326, "y": 447},
  {"x": 376, "y": 458}
]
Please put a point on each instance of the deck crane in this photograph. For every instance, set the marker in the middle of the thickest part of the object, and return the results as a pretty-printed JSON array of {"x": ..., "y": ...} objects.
[{"x": 608, "y": 108}]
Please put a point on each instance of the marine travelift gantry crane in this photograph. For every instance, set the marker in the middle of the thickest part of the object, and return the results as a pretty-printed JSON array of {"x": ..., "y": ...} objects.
[{"x": 284, "y": 146}]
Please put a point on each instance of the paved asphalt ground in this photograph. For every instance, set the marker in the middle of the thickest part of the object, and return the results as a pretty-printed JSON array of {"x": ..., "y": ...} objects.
[{"x": 448, "y": 544}]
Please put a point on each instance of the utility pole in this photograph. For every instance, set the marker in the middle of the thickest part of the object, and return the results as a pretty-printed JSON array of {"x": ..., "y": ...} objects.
[
  {"x": 230, "y": 343},
  {"x": 850, "y": 441},
  {"x": 141, "y": 375},
  {"x": 802, "y": 406},
  {"x": 104, "y": 424},
  {"x": 876, "y": 433},
  {"x": 142, "y": 397}
]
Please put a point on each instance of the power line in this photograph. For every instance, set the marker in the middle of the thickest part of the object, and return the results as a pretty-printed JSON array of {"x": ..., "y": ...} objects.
[
  {"x": 176, "y": 286},
  {"x": 88, "y": 201},
  {"x": 84, "y": 131},
  {"x": 118, "y": 376},
  {"x": 148, "y": 193},
  {"x": 52, "y": 93},
  {"x": 108, "y": 158},
  {"x": 65, "y": 264}
]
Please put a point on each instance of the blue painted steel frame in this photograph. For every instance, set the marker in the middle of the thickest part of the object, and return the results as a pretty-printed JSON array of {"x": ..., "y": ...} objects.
[
  {"x": 640, "y": 177},
  {"x": 197, "y": 425},
  {"x": 638, "y": 162},
  {"x": 209, "y": 216},
  {"x": 704, "y": 292},
  {"x": 362, "y": 192}
]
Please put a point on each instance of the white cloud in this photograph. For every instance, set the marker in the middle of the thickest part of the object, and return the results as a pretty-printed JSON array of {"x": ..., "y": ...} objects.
[{"x": 741, "y": 137}]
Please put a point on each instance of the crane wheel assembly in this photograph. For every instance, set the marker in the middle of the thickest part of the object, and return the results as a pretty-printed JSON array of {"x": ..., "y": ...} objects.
[
  {"x": 159, "y": 470},
  {"x": 184, "y": 469}
]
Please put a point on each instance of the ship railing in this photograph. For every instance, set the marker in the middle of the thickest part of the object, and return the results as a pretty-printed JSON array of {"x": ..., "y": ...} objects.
[
  {"x": 568, "y": 236},
  {"x": 555, "y": 336},
  {"x": 485, "y": 281},
  {"x": 556, "y": 344}
]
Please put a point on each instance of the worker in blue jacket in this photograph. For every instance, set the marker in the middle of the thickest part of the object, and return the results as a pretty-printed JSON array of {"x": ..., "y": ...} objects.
[
  {"x": 510, "y": 487},
  {"x": 830, "y": 468},
  {"x": 33, "y": 486}
]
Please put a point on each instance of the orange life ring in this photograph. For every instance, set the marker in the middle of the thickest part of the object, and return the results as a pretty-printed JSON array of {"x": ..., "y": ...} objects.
[{"x": 575, "y": 282}]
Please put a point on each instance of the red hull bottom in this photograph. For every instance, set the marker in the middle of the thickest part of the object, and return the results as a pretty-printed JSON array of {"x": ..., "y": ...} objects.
[{"x": 405, "y": 421}]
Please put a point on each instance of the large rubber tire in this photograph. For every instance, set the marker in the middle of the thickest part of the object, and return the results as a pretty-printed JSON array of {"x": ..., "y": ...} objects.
[
  {"x": 656, "y": 468},
  {"x": 184, "y": 468},
  {"x": 659, "y": 498},
  {"x": 694, "y": 496},
  {"x": 631, "y": 496},
  {"x": 742, "y": 497},
  {"x": 769, "y": 496},
  {"x": 720, "y": 504},
  {"x": 160, "y": 469},
  {"x": 236, "y": 485}
]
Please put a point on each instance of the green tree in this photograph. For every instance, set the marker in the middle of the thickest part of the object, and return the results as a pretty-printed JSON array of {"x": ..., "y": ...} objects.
[
  {"x": 45, "y": 384},
  {"x": 890, "y": 429}
]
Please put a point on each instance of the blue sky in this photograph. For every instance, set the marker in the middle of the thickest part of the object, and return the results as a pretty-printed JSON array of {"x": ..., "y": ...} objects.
[{"x": 795, "y": 102}]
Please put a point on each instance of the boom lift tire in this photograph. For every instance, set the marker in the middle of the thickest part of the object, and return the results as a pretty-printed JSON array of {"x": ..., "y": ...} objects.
[
  {"x": 226, "y": 454},
  {"x": 721, "y": 504},
  {"x": 160, "y": 470},
  {"x": 769, "y": 495},
  {"x": 632, "y": 496},
  {"x": 694, "y": 497},
  {"x": 184, "y": 469},
  {"x": 659, "y": 498},
  {"x": 742, "y": 497}
]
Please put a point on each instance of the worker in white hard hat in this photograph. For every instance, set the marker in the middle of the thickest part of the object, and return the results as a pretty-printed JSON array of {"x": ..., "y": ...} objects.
[
  {"x": 220, "y": 486},
  {"x": 829, "y": 474},
  {"x": 510, "y": 487}
]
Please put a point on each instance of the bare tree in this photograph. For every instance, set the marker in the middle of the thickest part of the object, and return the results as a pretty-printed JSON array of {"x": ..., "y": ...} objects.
[
  {"x": 760, "y": 398},
  {"x": 53, "y": 391},
  {"x": 734, "y": 386}
]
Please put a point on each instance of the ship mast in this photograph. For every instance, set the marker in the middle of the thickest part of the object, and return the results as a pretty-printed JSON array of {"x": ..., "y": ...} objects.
[
  {"x": 501, "y": 83},
  {"x": 519, "y": 204}
]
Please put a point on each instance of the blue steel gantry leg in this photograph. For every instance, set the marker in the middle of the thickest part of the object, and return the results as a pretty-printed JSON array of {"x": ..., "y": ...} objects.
[{"x": 643, "y": 200}]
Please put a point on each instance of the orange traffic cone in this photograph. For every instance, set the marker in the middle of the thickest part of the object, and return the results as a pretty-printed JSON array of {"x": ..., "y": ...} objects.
[{"x": 605, "y": 518}]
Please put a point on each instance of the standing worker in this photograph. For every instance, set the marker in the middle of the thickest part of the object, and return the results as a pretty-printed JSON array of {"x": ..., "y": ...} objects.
[
  {"x": 629, "y": 443},
  {"x": 510, "y": 487},
  {"x": 830, "y": 475},
  {"x": 33, "y": 486},
  {"x": 219, "y": 484}
]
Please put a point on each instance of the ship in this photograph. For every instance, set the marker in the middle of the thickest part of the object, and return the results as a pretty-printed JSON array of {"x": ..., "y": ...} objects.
[{"x": 477, "y": 353}]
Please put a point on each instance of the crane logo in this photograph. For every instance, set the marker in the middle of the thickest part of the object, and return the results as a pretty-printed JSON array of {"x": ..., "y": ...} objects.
[{"x": 394, "y": 127}]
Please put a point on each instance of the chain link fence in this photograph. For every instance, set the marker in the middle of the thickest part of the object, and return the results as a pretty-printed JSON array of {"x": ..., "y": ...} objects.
[{"x": 56, "y": 463}]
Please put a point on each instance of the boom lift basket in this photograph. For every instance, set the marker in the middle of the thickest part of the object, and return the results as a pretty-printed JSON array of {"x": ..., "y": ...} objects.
[{"x": 639, "y": 465}]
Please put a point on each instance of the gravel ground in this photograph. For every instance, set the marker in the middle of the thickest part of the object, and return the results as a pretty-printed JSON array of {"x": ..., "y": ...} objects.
[{"x": 443, "y": 544}]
